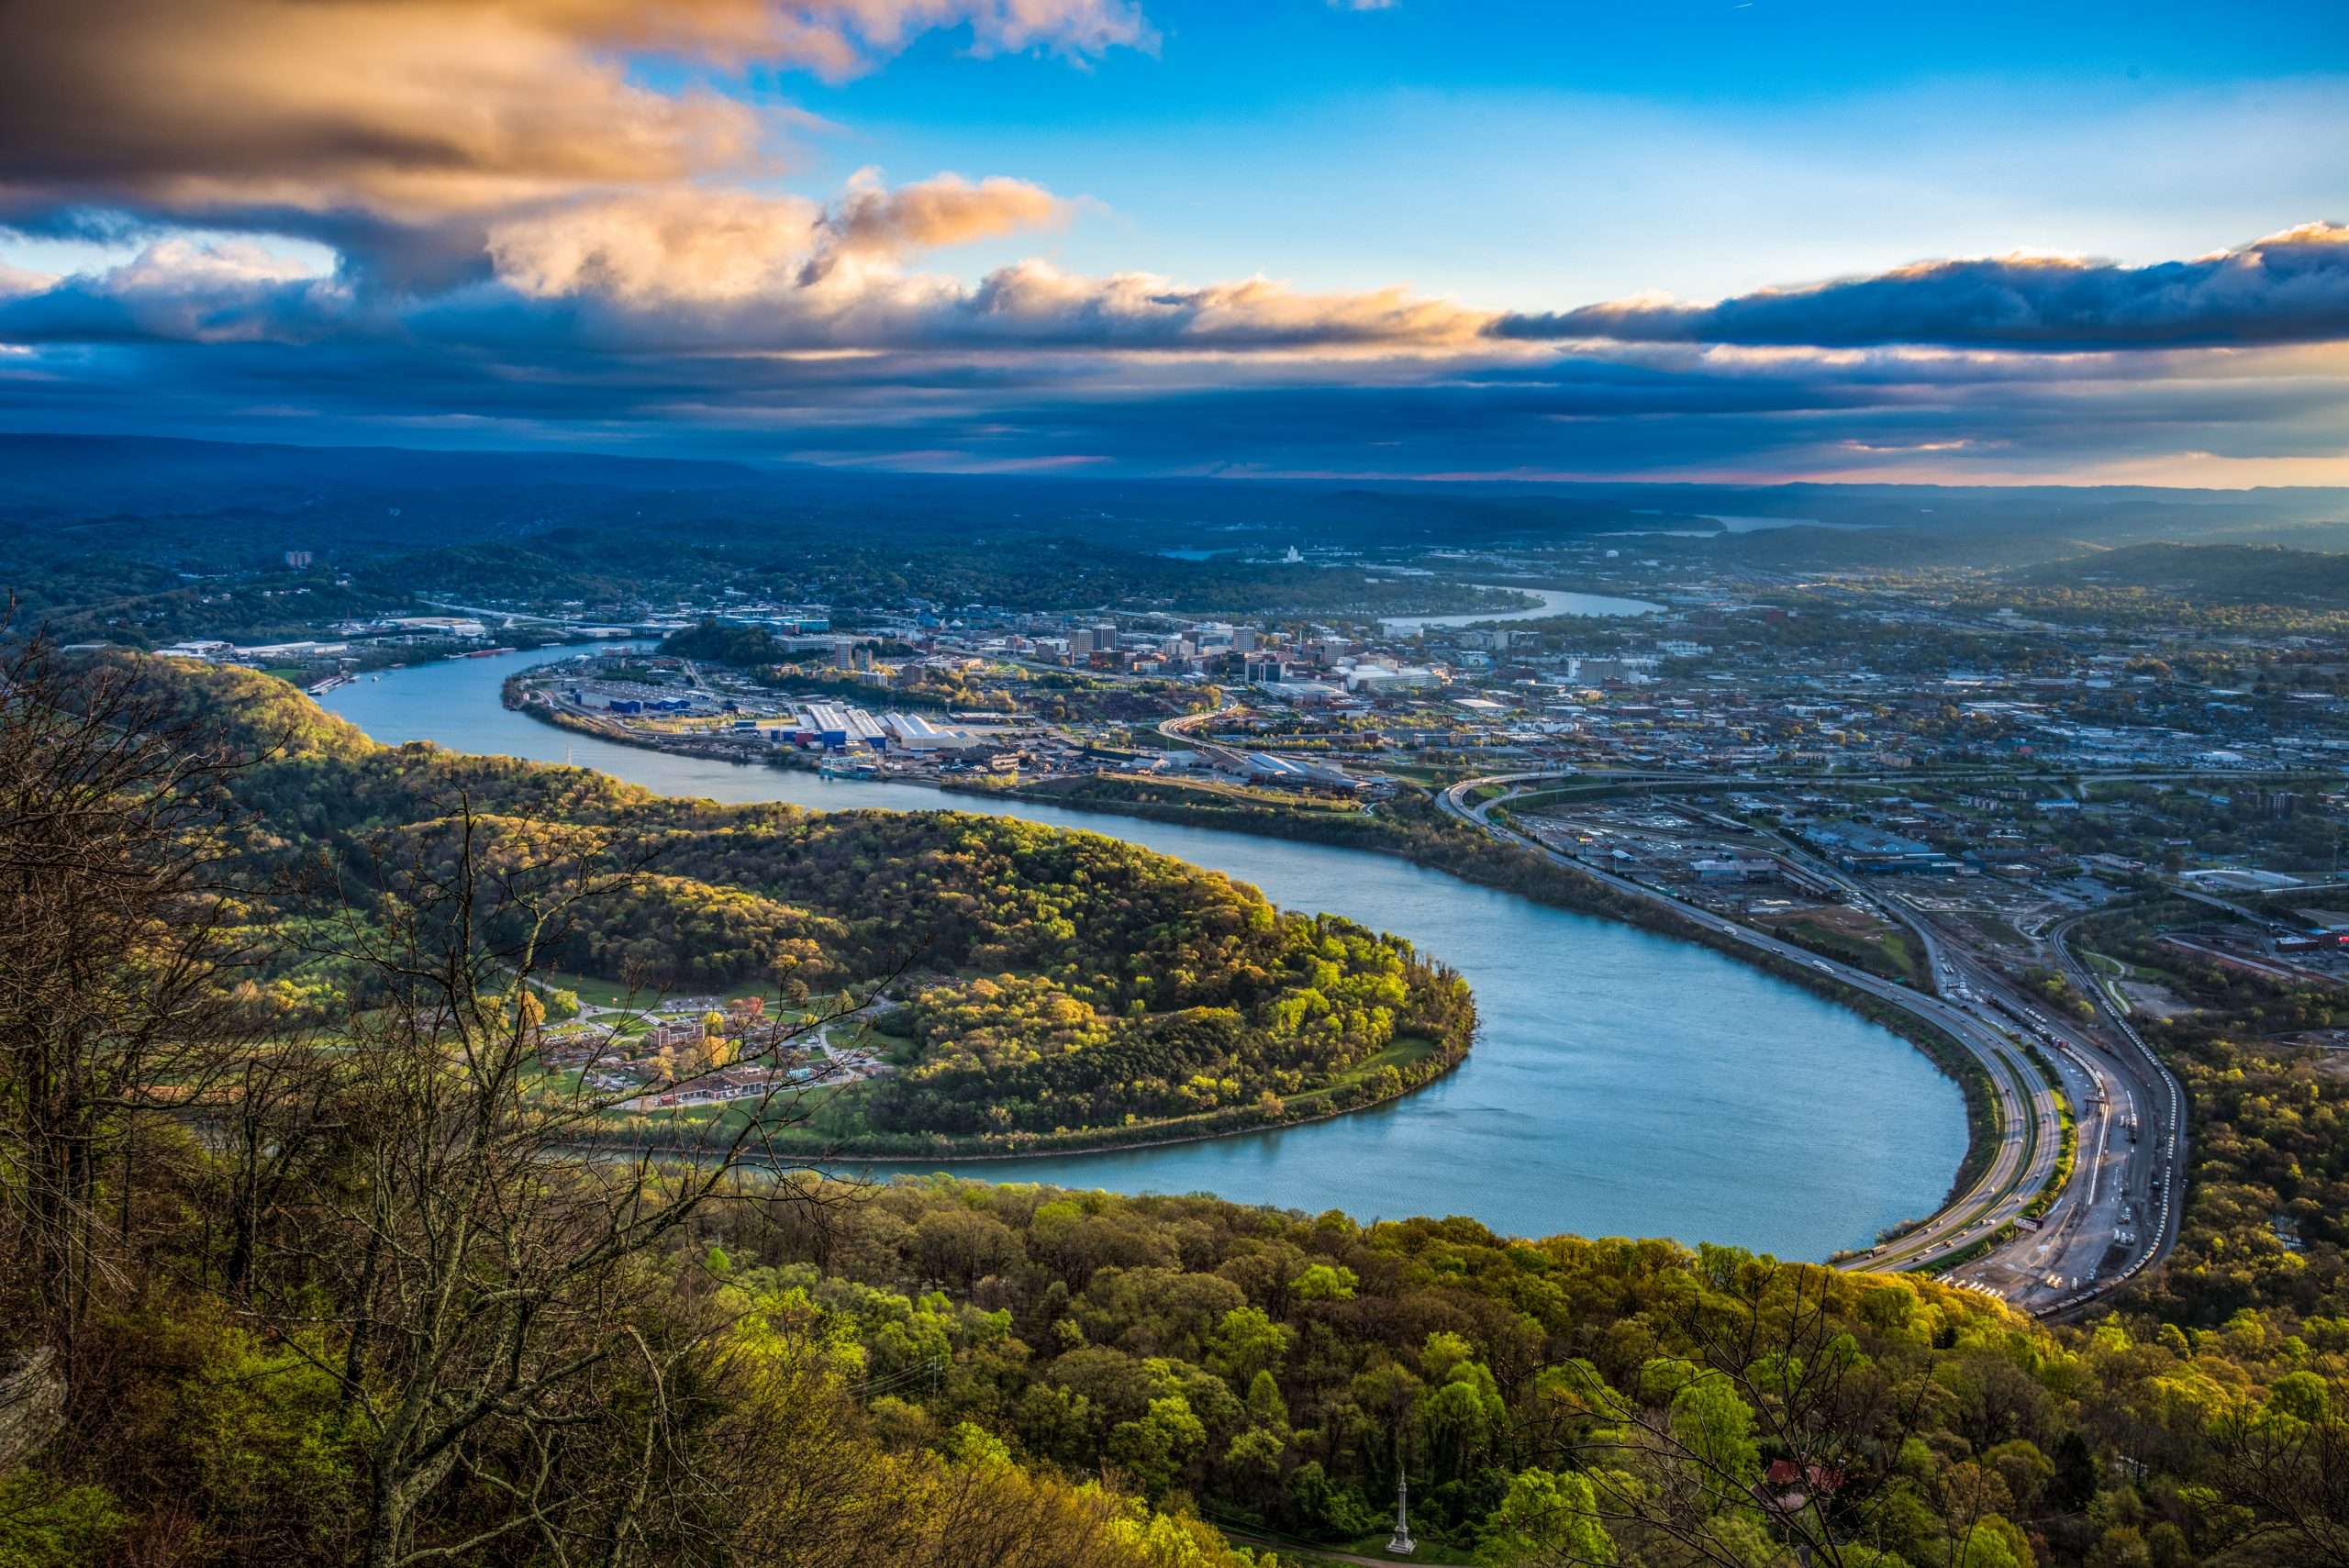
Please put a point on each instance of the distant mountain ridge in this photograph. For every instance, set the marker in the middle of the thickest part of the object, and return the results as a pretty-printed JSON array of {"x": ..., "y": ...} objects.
[
  {"x": 82, "y": 473},
  {"x": 2230, "y": 574},
  {"x": 84, "y": 516}
]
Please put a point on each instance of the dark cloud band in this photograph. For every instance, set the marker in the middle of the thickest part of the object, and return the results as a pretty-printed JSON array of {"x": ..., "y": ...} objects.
[{"x": 2291, "y": 288}]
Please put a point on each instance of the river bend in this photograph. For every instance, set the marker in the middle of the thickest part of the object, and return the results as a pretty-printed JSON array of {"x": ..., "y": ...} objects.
[{"x": 1622, "y": 1083}]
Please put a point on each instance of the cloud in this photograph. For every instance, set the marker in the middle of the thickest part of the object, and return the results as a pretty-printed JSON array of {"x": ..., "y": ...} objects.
[
  {"x": 943, "y": 210},
  {"x": 491, "y": 367},
  {"x": 183, "y": 290},
  {"x": 698, "y": 246},
  {"x": 696, "y": 270},
  {"x": 22, "y": 280},
  {"x": 626, "y": 302},
  {"x": 1034, "y": 302},
  {"x": 413, "y": 111},
  {"x": 692, "y": 319},
  {"x": 2291, "y": 288},
  {"x": 686, "y": 244}
]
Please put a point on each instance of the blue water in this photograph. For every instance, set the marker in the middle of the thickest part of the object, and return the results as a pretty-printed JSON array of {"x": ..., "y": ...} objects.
[
  {"x": 1622, "y": 1084},
  {"x": 1554, "y": 602}
]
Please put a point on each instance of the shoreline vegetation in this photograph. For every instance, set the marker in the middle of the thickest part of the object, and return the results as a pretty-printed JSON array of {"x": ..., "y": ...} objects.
[
  {"x": 1424, "y": 837},
  {"x": 1411, "y": 829},
  {"x": 1029, "y": 988},
  {"x": 1104, "y": 1141}
]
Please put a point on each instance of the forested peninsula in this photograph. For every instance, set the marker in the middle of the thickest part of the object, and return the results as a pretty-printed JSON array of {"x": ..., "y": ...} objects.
[{"x": 1014, "y": 987}]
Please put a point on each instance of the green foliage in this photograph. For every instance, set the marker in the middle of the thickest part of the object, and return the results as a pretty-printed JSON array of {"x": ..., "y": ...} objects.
[
  {"x": 1536, "y": 1392},
  {"x": 1080, "y": 985},
  {"x": 45, "y": 1525},
  {"x": 1547, "y": 1518},
  {"x": 1325, "y": 1282}
]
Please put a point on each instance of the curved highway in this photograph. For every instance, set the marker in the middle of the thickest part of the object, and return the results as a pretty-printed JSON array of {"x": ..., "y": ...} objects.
[
  {"x": 2029, "y": 1122},
  {"x": 2148, "y": 1183}
]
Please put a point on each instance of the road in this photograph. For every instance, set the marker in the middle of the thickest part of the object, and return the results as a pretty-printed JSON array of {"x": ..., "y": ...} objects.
[
  {"x": 2029, "y": 1108},
  {"x": 2150, "y": 1180},
  {"x": 2117, "y": 1217},
  {"x": 1673, "y": 779},
  {"x": 2118, "y": 1213}
]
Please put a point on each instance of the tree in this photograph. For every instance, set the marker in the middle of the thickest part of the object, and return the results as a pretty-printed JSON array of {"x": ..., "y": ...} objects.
[
  {"x": 1325, "y": 1282},
  {"x": 1155, "y": 1449},
  {"x": 1547, "y": 1518},
  {"x": 120, "y": 939},
  {"x": 2288, "y": 1461},
  {"x": 1773, "y": 1370},
  {"x": 492, "y": 1289},
  {"x": 1246, "y": 1342}
]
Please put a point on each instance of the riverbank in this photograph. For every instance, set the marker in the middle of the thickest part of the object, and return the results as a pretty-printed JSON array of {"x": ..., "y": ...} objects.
[
  {"x": 782, "y": 760},
  {"x": 1409, "y": 827},
  {"x": 1237, "y": 1121},
  {"x": 1623, "y": 1081}
]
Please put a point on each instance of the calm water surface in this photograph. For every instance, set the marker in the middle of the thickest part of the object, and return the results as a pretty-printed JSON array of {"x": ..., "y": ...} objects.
[
  {"x": 1622, "y": 1084},
  {"x": 1554, "y": 602}
]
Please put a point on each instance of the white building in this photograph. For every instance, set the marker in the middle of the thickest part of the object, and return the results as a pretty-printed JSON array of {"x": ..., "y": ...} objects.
[{"x": 912, "y": 732}]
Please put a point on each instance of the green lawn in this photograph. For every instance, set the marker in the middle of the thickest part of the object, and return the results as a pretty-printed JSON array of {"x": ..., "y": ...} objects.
[
  {"x": 1890, "y": 955},
  {"x": 597, "y": 992},
  {"x": 1401, "y": 1054},
  {"x": 593, "y": 992}
]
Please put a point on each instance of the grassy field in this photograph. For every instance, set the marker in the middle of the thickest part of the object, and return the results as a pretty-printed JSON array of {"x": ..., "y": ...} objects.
[
  {"x": 1405, "y": 1052},
  {"x": 1435, "y": 778},
  {"x": 600, "y": 993},
  {"x": 596, "y": 993},
  {"x": 1890, "y": 955}
]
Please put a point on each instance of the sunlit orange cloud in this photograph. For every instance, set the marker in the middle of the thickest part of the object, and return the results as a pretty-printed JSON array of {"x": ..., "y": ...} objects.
[
  {"x": 700, "y": 246},
  {"x": 413, "y": 110},
  {"x": 763, "y": 275},
  {"x": 2192, "y": 470},
  {"x": 945, "y": 209}
]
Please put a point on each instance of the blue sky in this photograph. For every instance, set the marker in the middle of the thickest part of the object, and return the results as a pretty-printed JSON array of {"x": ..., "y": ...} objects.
[
  {"x": 726, "y": 225},
  {"x": 1556, "y": 153}
]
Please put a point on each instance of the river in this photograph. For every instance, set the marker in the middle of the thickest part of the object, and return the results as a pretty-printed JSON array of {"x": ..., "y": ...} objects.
[
  {"x": 1554, "y": 602},
  {"x": 1622, "y": 1084}
]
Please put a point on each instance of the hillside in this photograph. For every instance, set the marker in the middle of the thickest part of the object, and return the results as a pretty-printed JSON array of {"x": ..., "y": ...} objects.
[
  {"x": 2215, "y": 574},
  {"x": 1050, "y": 987}
]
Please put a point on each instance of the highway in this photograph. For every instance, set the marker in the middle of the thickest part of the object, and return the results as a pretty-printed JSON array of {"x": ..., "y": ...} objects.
[
  {"x": 2029, "y": 1109},
  {"x": 2118, "y": 1212},
  {"x": 2062, "y": 1262},
  {"x": 2115, "y": 1217},
  {"x": 2147, "y": 1178}
]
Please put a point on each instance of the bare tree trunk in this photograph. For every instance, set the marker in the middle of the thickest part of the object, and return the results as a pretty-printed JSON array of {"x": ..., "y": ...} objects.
[
  {"x": 116, "y": 945},
  {"x": 488, "y": 1274}
]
